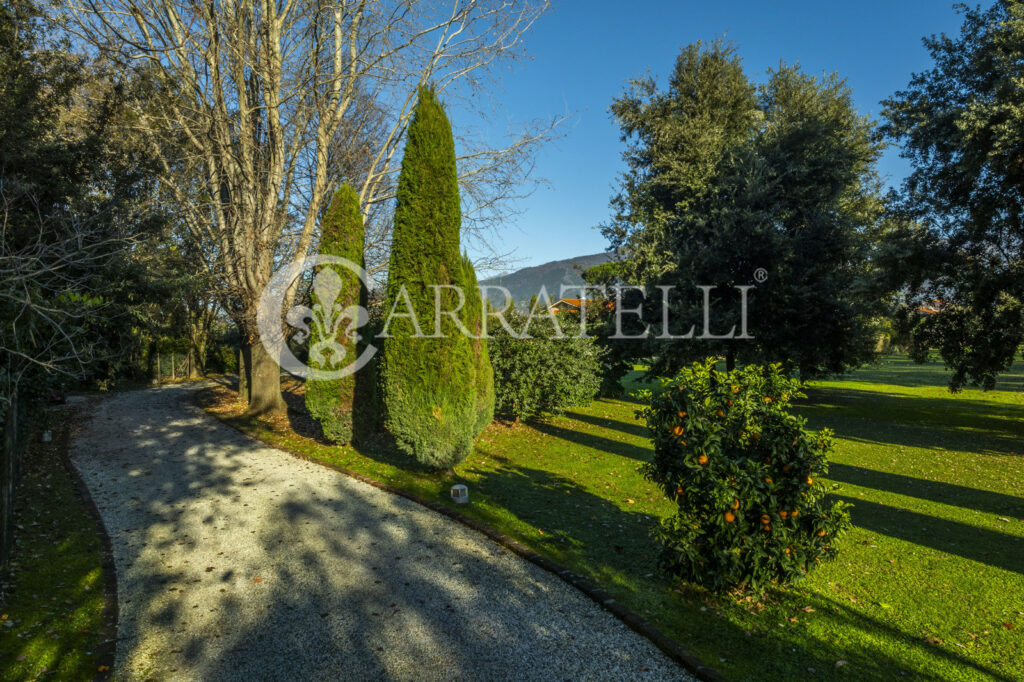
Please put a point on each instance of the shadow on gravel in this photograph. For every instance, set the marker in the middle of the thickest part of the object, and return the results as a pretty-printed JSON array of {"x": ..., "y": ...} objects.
[{"x": 319, "y": 583}]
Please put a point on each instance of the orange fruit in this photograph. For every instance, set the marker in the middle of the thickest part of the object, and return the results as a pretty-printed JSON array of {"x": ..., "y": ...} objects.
[
  {"x": 702, "y": 460},
  {"x": 735, "y": 504},
  {"x": 678, "y": 430},
  {"x": 784, "y": 515},
  {"x": 735, "y": 389},
  {"x": 729, "y": 402},
  {"x": 810, "y": 480},
  {"x": 765, "y": 518},
  {"x": 729, "y": 517},
  {"x": 787, "y": 551},
  {"x": 681, "y": 414},
  {"x": 767, "y": 527},
  {"x": 679, "y": 491},
  {"x": 720, "y": 413},
  {"x": 682, "y": 442},
  {"x": 794, "y": 512},
  {"x": 767, "y": 400},
  {"x": 821, "y": 533},
  {"x": 767, "y": 480}
]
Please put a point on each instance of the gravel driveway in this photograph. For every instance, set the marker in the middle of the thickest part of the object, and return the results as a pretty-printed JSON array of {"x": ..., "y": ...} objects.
[{"x": 237, "y": 561}]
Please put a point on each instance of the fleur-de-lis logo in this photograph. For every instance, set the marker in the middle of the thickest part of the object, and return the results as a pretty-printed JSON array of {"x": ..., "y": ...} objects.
[
  {"x": 335, "y": 324},
  {"x": 327, "y": 317}
]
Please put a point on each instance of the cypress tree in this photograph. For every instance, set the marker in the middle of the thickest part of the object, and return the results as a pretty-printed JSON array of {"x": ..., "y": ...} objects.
[
  {"x": 484, "y": 373},
  {"x": 428, "y": 389},
  {"x": 335, "y": 288}
]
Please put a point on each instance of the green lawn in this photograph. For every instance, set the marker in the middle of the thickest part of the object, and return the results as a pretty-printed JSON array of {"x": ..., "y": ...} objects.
[
  {"x": 929, "y": 585},
  {"x": 52, "y": 617}
]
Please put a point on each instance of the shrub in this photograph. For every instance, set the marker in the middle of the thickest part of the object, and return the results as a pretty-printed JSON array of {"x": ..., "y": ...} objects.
[
  {"x": 745, "y": 476},
  {"x": 428, "y": 385},
  {"x": 336, "y": 288},
  {"x": 483, "y": 373},
  {"x": 543, "y": 373}
]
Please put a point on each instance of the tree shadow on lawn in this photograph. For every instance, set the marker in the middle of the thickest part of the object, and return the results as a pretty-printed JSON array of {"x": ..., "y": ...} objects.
[
  {"x": 574, "y": 520},
  {"x": 902, "y": 371},
  {"x": 635, "y": 429},
  {"x": 612, "y": 546},
  {"x": 891, "y": 419},
  {"x": 841, "y": 618},
  {"x": 936, "y": 491},
  {"x": 970, "y": 542},
  {"x": 592, "y": 440}
]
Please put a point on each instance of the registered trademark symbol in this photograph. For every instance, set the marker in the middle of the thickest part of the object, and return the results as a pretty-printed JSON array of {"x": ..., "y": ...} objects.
[{"x": 760, "y": 275}]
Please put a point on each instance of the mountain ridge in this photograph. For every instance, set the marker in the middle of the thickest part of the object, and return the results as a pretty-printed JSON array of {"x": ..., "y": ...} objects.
[{"x": 524, "y": 283}]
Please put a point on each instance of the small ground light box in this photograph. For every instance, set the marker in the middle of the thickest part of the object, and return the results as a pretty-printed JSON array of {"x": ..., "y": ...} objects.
[{"x": 460, "y": 493}]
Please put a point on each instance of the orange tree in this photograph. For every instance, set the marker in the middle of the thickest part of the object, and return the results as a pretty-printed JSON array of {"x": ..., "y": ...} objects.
[{"x": 744, "y": 473}]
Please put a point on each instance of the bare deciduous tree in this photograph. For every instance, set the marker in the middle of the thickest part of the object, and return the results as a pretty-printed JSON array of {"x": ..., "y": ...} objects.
[{"x": 258, "y": 94}]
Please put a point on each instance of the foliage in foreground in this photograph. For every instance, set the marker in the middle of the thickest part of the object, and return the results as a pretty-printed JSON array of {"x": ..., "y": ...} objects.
[
  {"x": 428, "y": 383},
  {"x": 543, "y": 373},
  {"x": 744, "y": 473},
  {"x": 336, "y": 290}
]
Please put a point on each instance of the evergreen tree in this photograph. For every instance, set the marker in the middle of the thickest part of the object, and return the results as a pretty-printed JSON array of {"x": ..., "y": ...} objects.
[
  {"x": 484, "y": 372},
  {"x": 332, "y": 401},
  {"x": 726, "y": 178},
  {"x": 960, "y": 123},
  {"x": 427, "y": 378}
]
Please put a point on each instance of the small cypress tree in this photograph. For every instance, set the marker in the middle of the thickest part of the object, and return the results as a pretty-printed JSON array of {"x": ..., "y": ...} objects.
[
  {"x": 484, "y": 372},
  {"x": 427, "y": 383},
  {"x": 335, "y": 288}
]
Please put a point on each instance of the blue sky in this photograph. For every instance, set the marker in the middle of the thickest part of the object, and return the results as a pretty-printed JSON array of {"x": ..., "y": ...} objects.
[{"x": 582, "y": 53}]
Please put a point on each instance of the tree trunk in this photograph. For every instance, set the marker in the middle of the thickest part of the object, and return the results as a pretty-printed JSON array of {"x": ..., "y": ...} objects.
[
  {"x": 264, "y": 382},
  {"x": 243, "y": 374},
  {"x": 730, "y": 359},
  {"x": 152, "y": 358}
]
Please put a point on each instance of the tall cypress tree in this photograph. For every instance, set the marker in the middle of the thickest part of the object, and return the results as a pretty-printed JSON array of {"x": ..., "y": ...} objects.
[
  {"x": 428, "y": 388},
  {"x": 336, "y": 288},
  {"x": 483, "y": 371}
]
